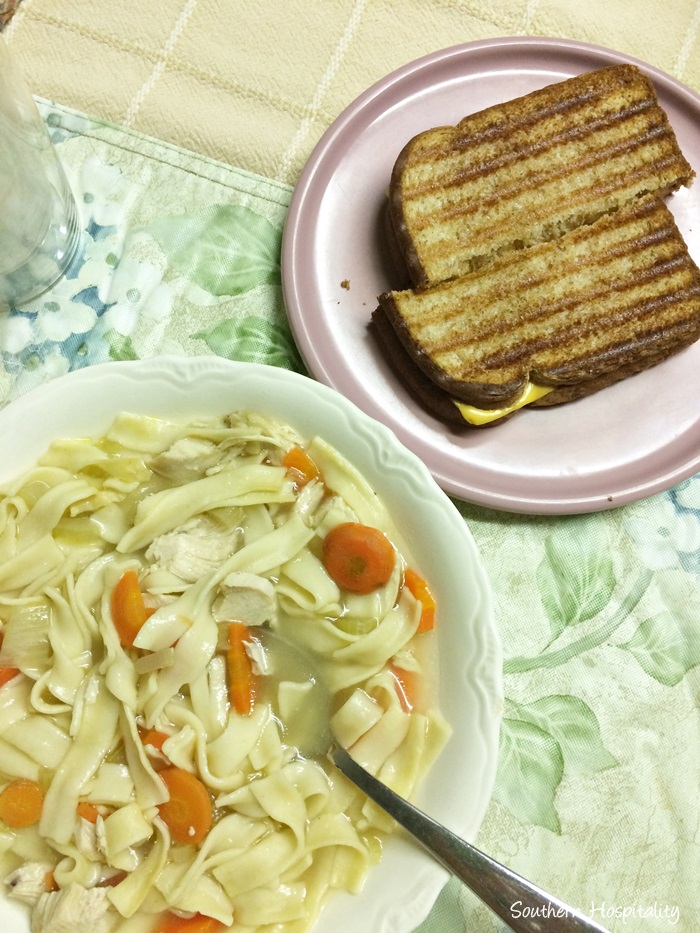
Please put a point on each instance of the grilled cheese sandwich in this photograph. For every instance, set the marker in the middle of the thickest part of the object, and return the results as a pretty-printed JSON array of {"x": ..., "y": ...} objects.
[
  {"x": 542, "y": 261},
  {"x": 568, "y": 316}
]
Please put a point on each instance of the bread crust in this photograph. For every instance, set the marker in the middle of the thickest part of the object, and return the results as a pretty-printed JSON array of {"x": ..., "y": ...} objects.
[
  {"x": 433, "y": 399},
  {"x": 440, "y": 404},
  {"x": 483, "y": 395}
]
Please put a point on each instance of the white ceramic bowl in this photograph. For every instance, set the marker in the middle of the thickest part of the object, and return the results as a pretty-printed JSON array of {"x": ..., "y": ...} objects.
[{"x": 400, "y": 891}]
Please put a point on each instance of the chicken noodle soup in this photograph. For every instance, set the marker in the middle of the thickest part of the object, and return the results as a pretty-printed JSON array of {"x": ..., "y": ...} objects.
[{"x": 177, "y": 651}]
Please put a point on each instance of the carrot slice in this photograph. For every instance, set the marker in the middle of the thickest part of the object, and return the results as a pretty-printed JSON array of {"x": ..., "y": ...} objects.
[
  {"x": 6, "y": 673},
  {"x": 88, "y": 811},
  {"x": 153, "y": 743},
  {"x": 153, "y": 738},
  {"x": 199, "y": 923},
  {"x": 300, "y": 466},
  {"x": 420, "y": 589},
  {"x": 113, "y": 880},
  {"x": 50, "y": 882},
  {"x": 21, "y": 803},
  {"x": 358, "y": 557},
  {"x": 406, "y": 686},
  {"x": 188, "y": 812},
  {"x": 128, "y": 609},
  {"x": 241, "y": 680}
]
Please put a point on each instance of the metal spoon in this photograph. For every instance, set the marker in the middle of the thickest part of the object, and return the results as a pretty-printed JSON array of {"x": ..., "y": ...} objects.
[{"x": 523, "y": 906}]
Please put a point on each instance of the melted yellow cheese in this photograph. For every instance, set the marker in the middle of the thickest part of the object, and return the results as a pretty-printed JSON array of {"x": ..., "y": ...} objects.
[{"x": 478, "y": 416}]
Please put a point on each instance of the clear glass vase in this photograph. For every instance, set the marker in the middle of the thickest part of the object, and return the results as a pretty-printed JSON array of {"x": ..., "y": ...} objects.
[{"x": 39, "y": 223}]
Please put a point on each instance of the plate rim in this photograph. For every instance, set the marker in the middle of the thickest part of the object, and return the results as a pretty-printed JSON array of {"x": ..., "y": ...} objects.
[
  {"x": 592, "y": 499},
  {"x": 482, "y": 683}
]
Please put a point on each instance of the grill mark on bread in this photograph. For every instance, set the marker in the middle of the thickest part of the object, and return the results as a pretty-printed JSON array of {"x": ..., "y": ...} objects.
[
  {"x": 501, "y": 130},
  {"x": 582, "y": 331},
  {"x": 542, "y": 312},
  {"x": 580, "y": 203},
  {"x": 585, "y": 331},
  {"x": 455, "y": 189},
  {"x": 491, "y": 285},
  {"x": 538, "y": 247},
  {"x": 631, "y": 291},
  {"x": 508, "y": 158},
  {"x": 438, "y": 402},
  {"x": 532, "y": 180},
  {"x": 606, "y": 86}
]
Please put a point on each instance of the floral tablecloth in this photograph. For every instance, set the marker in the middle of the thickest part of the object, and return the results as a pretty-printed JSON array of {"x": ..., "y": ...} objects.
[{"x": 596, "y": 797}]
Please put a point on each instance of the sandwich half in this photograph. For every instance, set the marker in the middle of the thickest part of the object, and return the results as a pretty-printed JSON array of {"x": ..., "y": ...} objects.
[
  {"x": 528, "y": 171},
  {"x": 550, "y": 323}
]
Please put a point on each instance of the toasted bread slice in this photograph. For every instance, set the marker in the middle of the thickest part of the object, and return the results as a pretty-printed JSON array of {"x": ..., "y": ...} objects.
[
  {"x": 442, "y": 406},
  {"x": 611, "y": 297},
  {"x": 529, "y": 170}
]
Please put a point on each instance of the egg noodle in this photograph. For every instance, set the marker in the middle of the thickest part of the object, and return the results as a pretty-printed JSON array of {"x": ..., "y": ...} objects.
[{"x": 217, "y": 530}]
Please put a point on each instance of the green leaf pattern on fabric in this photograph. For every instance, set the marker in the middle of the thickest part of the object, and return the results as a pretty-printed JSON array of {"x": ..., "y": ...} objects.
[
  {"x": 253, "y": 339},
  {"x": 575, "y": 728},
  {"x": 541, "y": 741},
  {"x": 120, "y": 346},
  {"x": 227, "y": 249},
  {"x": 591, "y": 603},
  {"x": 575, "y": 578},
  {"x": 667, "y": 646},
  {"x": 530, "y": 768}
]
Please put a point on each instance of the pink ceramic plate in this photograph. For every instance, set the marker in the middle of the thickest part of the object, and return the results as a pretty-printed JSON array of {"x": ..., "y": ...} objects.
[{"x": 627, "y": 442}]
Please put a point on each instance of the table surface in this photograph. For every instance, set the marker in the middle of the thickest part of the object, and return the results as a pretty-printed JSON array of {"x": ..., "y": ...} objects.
[{"x": 181, "y": 122}]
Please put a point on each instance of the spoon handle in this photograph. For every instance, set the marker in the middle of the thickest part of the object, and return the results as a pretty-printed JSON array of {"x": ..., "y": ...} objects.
[{"x": 519, "y": 903}]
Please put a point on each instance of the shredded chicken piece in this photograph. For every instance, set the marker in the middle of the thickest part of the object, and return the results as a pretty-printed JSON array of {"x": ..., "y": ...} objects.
[
  {"x": 259, "y": 658},
  {"x": 28, "y": 882},
  {"x": 74, "y": 909},
  {"x": 196, "y": 548},
  {"x": 308, "y": 502},
  {"x": 245, "y": 597},
  {"x": 87, "y": 840},
  {"x": 255, "y": 430},
  {"x": 187, "y": 459}
]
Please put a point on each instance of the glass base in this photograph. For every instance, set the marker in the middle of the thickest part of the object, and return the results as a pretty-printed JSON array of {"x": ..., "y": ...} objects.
[{"x": 50, "y": 259}]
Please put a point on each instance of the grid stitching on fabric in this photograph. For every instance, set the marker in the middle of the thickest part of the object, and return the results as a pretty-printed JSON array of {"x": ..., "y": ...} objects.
[
  {"x": 691, "y": 36},
  {"x": 26, "y": 12},
  {"x": 203, "y": 75},
  {"x": 336, "y": 59},
  {"x": 161, "y": 62}
]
